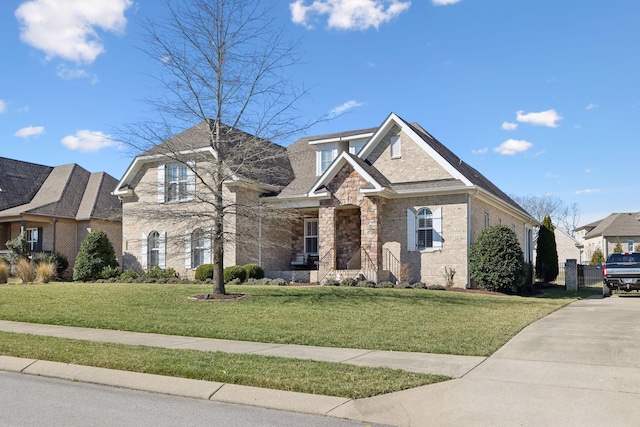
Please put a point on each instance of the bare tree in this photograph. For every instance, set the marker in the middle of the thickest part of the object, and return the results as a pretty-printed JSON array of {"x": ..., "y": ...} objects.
[
  {"x": 564, "y": 216},
  {"x": 224, "y": 66}
]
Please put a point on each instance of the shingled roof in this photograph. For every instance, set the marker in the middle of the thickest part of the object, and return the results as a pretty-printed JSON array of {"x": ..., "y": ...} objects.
[
  {"x": 20, "y": 181},
  {"x": 615, "y": 225},
  {"x": 67, "y": 191}
]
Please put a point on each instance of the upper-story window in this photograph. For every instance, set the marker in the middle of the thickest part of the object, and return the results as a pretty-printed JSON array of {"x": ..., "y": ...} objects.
[
  {"x": 176, "y": 182},
  {"x": 356, "y": 146},
  {"x": 395, "y": 148},
  {"x": 324, "y": 157}
]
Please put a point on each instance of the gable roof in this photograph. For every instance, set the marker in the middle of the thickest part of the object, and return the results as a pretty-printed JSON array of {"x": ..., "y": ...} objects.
[
  {"x": 463, "y": 176},
  {"x": 616, "y": 224},
  {"x": 269, "y": 162},
  {"x": 62, "y": 193}
]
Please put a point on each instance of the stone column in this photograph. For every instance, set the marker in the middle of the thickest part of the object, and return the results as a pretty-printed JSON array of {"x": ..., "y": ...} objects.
[
  {"x": 571, "y": 275},
  {"x": 327, "y": 237}
]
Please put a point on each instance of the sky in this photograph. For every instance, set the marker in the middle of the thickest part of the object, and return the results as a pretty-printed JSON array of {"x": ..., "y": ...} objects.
[{"x": 542, "y": 97}]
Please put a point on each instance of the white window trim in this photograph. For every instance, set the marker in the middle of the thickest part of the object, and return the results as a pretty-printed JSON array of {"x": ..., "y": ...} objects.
[
  {"x": 333, "y": 148},
  {"x": 412, "y": 231},
  {"x": 316, "y": 236}
]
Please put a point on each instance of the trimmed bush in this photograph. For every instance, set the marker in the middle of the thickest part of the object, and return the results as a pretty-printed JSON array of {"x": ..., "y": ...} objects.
[
  {"x": 24, "y": 270},
  {"x": 156, "y": 274},
  {"x": 331, "y": 282},
  {"x": 546, "y": 252},
  {"x": 385, "y": 285},
  {"x": 204, "y": 272},
  {"x": 45, "y": 271},
  {"x": 96, "y": 253},
  {"x": 128, "y": 274},
  {"x": 496, "y": 262},
  {"x": 233, "y": 273},
  {"x": 254, "y": 271},
  {"x": 4, "y": 271},
  {"x": 367, "y": 284},
  {"x": 109, "y": 272},
  {"x": 349, "y": 281},
  {"x": 279, "y": 282},
  {"x": 419, "y": 285}
]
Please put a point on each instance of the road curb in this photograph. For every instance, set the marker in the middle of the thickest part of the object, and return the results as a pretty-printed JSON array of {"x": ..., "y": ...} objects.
[{"x": 184, "y": 387}]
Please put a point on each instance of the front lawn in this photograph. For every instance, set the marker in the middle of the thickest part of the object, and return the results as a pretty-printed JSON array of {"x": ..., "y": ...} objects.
[{"x": 382, "y": 319}]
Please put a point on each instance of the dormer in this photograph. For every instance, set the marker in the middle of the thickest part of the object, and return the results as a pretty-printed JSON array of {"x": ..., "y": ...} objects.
[{"x": 328, "y": 149}]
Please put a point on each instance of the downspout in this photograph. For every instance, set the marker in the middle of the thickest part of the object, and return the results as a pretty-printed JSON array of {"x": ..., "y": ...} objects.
[
  {"x": 55, "y": 222},
  {"x": 260, "y": 232}
]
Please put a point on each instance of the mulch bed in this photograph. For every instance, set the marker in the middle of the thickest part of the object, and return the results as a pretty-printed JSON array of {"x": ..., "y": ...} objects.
[{"x": 218, "y": 297}]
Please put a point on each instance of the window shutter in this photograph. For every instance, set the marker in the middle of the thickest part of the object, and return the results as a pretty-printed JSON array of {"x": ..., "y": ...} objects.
[
  {"x": 187, "y": 250},
  {"x": 437, "y": 229},
  {"x": 411, "y": 230},
  {"x": 162, "y": 252},
  {"x": 191, "y": 180},
  {"x": 207, "y": 247},
  {"x": 144, "y": 255},
  {"x": 161, "y": 183}
]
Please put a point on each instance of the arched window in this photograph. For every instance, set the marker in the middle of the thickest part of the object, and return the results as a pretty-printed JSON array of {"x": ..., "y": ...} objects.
[
  {"x": 424, "y": 229},
  {"x": 153, "y": 249},
  {"x": 197, "y": 247}
]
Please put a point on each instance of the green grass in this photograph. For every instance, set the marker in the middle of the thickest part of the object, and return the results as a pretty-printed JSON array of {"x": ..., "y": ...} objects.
[
  {"x": 383, "y": 319},
  {"x": 330, "y": 379}
]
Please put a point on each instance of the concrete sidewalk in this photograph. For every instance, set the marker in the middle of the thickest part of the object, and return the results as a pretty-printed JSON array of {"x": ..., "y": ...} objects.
[
  {"x": 579, "y": 366},
  {"x": 439, "y": 364}
]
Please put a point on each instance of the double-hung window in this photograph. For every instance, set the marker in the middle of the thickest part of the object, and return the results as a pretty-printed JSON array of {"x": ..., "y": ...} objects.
[
  {"x": 311, "y": 236},
  {"x": 176, "y": 182},
  {"x": 153, "y": 247},
  {"x": 33, "y": 239},
  {"x": 197, "y": 248},
  {"x": 424, "y": 229}
]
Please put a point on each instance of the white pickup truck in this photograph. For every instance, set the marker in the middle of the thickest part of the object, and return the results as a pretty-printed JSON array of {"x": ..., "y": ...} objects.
[{"x": 621, "y": 272}]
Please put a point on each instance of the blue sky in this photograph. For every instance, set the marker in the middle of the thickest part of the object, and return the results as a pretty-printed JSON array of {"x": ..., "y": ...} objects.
[{"x": 542, "y": 97}]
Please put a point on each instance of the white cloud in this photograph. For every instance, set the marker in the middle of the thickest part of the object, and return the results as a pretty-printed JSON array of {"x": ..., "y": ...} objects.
[
  {"x": 591, "y": 106},
  {"x": 509, "y": 126},
  {"x": 3, "y": 106},
  {"x": 444, "y": 2},
  {"x": 547, "y": 118},
  {"x": 480, "y": 151},
  {"x": 67, "y": 28},
  {"x": 513, "y": 146},
  {"x": 89, "y": 141},
  {"x": 345, "y": 107},
  {"x": 29, "y": 131},
  {"x": 588, "y": 191},
  {"x": 347, "y": 14}
]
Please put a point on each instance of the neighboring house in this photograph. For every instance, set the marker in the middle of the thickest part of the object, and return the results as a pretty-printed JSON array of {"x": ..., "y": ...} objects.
[
  {"x": 56, "y": 207},
  {"x": 385, "y": 203},
  {"x": 566, "y": 246},
  {"x": 623, "y": 228}
]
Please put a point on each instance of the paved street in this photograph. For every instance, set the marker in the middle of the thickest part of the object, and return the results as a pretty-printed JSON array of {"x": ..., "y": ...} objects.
[{"x": 30, "y": 401}]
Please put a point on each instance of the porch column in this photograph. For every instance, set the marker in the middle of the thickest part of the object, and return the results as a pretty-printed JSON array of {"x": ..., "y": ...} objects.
[
  {"x": 371, "y": 230},
  {"x": 327, "y": 237}
]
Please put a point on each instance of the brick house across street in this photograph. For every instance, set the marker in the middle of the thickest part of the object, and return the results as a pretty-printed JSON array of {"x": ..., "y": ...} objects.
[
  {"x": 56, "y": 207},
  {"x": 383, "y": 203}
]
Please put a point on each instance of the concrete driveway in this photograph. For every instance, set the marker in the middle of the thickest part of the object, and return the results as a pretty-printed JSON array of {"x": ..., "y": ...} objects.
[{"x": 579, "y": 366}]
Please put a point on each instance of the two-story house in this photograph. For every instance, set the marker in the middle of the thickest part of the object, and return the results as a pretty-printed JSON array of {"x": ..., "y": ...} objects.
[{"x": 378, "y": 203}]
